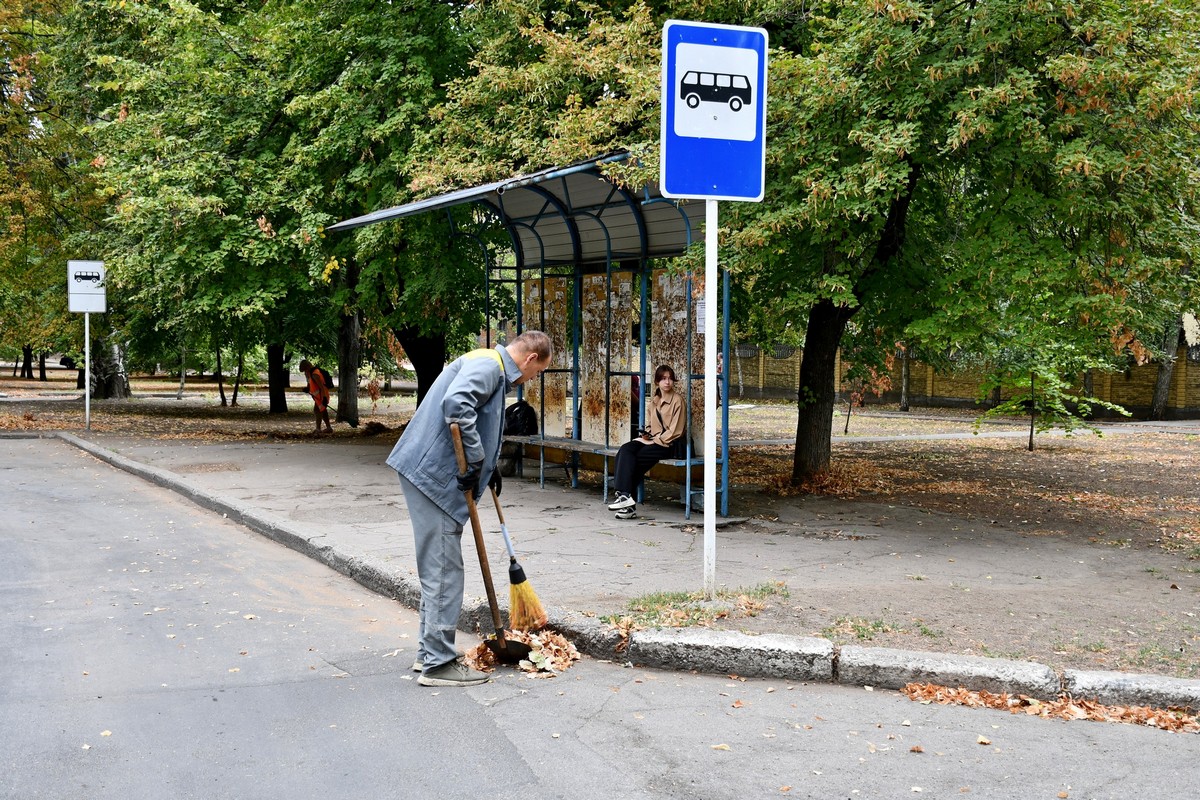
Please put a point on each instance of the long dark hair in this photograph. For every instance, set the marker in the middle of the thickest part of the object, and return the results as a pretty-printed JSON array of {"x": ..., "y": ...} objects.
[{"x": 663, "y": 370}]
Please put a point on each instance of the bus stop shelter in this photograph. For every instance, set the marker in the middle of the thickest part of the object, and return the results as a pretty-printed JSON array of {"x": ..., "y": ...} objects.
[{"x": 586, "y": 265}]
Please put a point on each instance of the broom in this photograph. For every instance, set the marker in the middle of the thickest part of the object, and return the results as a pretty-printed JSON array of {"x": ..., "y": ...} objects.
[{"x": 525, "y": 611}]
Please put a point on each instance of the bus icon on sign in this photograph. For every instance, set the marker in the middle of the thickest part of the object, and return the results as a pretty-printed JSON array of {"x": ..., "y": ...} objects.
[
  {"x": 94, "y": 277},
  {"x": 715, "y": 87}
]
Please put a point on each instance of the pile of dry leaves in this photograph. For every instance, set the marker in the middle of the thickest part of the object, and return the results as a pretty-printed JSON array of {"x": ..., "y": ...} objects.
[
  {"x": 550, "y": 654},
  {"x": 1065, "y": 707}
]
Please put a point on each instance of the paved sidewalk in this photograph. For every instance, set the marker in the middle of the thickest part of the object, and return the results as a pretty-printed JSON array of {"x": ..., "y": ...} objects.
[{"x": 334, "y": 500}]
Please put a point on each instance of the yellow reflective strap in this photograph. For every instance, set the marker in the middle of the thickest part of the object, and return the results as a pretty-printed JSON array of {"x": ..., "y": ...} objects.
[{"x": 485, "y": 351}]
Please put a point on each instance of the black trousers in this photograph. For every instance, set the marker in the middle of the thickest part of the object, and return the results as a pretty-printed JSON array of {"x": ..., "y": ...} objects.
[{"x": 634, "y": 460}]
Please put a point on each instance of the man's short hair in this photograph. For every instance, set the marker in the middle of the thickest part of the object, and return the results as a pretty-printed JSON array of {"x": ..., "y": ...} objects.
[{"x": 534, "y": 342}]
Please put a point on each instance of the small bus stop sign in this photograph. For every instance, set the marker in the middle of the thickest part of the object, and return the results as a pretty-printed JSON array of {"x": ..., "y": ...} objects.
[
  {"x": 85, "y": 287},
  {"x": 714, "y": 111}
]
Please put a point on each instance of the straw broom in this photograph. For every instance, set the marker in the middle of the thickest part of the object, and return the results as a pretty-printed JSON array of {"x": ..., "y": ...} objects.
[{"x": 525, "y": 611}]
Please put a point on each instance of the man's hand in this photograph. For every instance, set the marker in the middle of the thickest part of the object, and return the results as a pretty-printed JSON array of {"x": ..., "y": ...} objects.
[
  {"x": 495, "y": 481},
  {"x": 469, "y": 481}
]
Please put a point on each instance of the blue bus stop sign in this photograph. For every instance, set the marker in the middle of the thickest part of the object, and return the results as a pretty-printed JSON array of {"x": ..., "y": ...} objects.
[{"x": 714, "y": 111}]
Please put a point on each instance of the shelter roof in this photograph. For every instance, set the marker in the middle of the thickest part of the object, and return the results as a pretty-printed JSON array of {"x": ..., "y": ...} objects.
[{"x": 571, "y": 215}]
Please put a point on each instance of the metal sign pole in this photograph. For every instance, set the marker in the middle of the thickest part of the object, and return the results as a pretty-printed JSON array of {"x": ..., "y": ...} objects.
[
  {"x": 710, "y": 399},
  {"x": 713, "y": 147},
  {"x": 87, "y": 371}
]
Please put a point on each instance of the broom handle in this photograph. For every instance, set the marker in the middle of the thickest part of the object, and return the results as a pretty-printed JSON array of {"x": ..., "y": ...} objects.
[
  {"x": 503, "y": 527},
  {"x": 477, "y": 529}
]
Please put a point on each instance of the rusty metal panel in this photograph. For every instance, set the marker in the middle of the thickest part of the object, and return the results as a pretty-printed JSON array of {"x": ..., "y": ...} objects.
[
  {"x": 669, "y": 334},
  {"x": 557, "y": 318},
  {"x": 596, "y": 358}
]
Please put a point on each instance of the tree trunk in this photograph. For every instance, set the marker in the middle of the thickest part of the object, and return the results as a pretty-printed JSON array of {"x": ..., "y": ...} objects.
[
  {"x": 237, "y": 381},
  {"x": 816, "y": 396},
  {"x": 182, "y": 372},
  {"x": 1166, "y": 369},
  {"x": 428, "y": 357},
  {"x": 110, "y": 381},
  {"x": 1032, "y": 409},
  {"x": 349, "y": 352},
  {"x": 905, "y": 378},
  {"x": 277, "y": 379},
  {"x": 42, "y": 367},
  {"x": 220, "y": 380},
  {"x": 27, "y": 362}
]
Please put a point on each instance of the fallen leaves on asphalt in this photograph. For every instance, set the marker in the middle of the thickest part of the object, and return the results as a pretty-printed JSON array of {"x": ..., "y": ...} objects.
[
  {"x": 550, "y": 653},
  {"x": 1065, "y": 707}
]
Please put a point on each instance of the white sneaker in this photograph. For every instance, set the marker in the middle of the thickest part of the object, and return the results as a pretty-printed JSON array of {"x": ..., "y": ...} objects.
[
  {"x": 418, "y": 666},
  {"x": 627, "y": 513},
  {"x": 622, "y": 501}
]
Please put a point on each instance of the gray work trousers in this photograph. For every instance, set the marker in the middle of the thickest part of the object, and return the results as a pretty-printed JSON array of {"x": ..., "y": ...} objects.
[{"x": 440, "y": 567}]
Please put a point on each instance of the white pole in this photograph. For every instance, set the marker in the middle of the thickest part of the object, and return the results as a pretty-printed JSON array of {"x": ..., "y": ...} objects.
[
  {"x": 710, "y": 399},
  {"x": 87, "y": 362}
]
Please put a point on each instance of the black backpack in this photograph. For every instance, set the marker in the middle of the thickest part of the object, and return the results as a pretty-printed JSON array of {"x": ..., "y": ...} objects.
[
  {"x": 327, "y": 378},
  {"x": 520, "y": 419}
]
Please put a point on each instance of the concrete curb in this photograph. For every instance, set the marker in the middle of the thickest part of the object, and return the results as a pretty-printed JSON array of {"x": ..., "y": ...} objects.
[
  {"x": 701, "y": 649},
  {"x": 768, "y": 655},
  {"x": 1124, "y": 689},
  {"x": 893, "y": 669}
]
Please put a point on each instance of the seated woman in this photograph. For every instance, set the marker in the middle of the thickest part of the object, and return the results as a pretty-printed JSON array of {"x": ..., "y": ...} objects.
[{"x": 664, "y": 438}]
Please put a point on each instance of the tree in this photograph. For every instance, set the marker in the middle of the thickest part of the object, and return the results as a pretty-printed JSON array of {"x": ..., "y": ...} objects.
[
  {"x": 40, "y": 198},
  {"x": 926, "y": 160},
  {"x": 932, "y": 160},
  {"x": 364, "y": 78}
]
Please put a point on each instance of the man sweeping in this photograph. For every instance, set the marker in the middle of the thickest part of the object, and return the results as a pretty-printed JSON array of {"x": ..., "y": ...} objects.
[{"x": 471, "y": 392}]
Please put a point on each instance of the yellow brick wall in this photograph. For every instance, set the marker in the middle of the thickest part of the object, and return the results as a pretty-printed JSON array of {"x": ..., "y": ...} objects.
[{"x": 763, "y": 375}]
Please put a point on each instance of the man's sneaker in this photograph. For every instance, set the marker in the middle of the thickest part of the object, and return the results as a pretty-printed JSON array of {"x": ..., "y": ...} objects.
[
  {"x": 622, "y": 501},
  {"x": 454, "y": 673},
  {"x": 627, "y": 513},
  {"x": 418, "y": 666}
]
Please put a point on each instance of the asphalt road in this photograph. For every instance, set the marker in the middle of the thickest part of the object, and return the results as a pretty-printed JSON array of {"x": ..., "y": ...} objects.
[{"x": 153, "y": 650}]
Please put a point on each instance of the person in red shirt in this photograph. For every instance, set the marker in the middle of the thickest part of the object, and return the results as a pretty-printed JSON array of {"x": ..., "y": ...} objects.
[{"x": 320, "y": 395}]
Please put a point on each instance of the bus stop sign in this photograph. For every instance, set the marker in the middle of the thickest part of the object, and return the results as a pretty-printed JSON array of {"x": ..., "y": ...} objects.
[{"x": 714, "y": 111}]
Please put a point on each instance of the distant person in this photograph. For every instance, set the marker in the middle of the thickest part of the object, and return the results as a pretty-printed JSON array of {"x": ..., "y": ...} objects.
[
  {"x": 320, "y": 395},
  {"x": 470, "y": 391},
  {"x": 663, "y": 438}
]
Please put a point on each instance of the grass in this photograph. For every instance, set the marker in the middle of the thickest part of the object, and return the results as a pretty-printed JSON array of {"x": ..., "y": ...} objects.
[
  {"x": 689, "y": 609},
  {"x": 859, "y": 628}
]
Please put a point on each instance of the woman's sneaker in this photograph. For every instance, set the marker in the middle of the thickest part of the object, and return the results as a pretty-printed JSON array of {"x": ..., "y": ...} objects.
[
  {"x": 622, "y": 501},
  {"x": 455, "y": 673},
  {"x": 627, "y": 513}
]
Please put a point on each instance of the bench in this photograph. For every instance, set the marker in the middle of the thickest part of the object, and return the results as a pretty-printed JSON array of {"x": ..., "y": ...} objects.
[{"x": 577, "y": 446}]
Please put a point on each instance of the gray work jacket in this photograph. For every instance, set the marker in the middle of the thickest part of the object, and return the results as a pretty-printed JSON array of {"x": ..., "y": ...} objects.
[{"x": 471, "y": 392}]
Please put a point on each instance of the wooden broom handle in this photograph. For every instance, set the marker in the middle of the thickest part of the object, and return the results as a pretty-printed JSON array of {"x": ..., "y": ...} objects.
[{"x": 477, "y": 529}]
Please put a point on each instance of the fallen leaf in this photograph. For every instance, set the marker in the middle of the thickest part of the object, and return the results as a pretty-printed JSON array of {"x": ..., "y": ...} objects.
[
  {"x": 720, "y": 747},
  {"x": 785, "y": 788},
  {"x": 1063, "y": 795},
  {"x": 916, "y": 748},
  {"x": 983, "y": 740},
  {"x": 1064, "y": 708},
  {"x": 738, "y": 704}
]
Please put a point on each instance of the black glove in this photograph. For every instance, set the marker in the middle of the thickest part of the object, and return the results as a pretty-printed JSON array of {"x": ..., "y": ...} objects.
[
  {"x": 495, "y": 481},
  {"x": 469, "y": 481}
]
